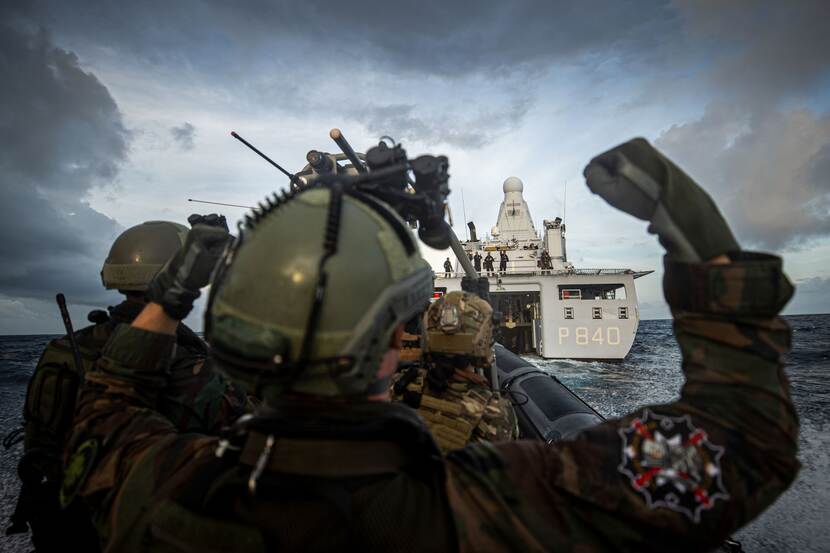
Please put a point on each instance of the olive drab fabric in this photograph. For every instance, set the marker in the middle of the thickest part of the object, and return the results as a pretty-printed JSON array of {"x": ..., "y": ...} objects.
[
  {"x": 460, "y": 323},
  {"x": 636, "y": 178},
  {"x": 194, "y": 398},
  {"x": 152, "y": 488},
  {"x": 139, "y": 253},
  {"x": 466, "y": 411}
]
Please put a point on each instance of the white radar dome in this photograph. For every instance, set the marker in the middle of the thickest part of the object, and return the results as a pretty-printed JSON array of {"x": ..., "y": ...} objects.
[{"x": 513, "y": 184}]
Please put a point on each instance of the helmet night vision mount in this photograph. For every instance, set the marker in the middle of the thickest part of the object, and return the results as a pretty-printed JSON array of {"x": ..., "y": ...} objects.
[{"x": 416, "y": 189}]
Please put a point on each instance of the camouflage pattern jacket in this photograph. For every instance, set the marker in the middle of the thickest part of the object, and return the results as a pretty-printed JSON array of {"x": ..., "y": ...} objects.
[
  {"x": 319, "y": 477},
  {"x": 467, "y": 411},
  {"x": 194, "y": 399}
]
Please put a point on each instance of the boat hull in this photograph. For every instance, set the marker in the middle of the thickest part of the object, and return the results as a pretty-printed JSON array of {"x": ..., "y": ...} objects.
[{"x": 547, "y": 410}]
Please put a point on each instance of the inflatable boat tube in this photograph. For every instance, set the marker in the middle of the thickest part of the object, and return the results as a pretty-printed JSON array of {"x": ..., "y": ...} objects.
[{"x": 547, "y": 410}]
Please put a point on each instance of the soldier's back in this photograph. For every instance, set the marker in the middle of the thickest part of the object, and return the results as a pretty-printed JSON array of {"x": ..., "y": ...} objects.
[
  {"x": 47, "y": 413},
  {"x": 195, "y": 399},
  {"x": 364, "y": 478}
]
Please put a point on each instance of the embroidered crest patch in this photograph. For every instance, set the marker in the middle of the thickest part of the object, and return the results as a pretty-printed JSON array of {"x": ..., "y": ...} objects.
[{"x": 672, "y": 463}]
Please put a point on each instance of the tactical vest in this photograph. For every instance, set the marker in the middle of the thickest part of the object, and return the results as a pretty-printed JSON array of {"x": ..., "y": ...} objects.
[{"x": 467, "y": 411}]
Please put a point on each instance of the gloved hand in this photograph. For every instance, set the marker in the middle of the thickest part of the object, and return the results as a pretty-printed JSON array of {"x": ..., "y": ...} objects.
[
  {"x": 178, "y": 283},
  {"x": 211, "y": 220},
  {"x": 634, "y": 177}
]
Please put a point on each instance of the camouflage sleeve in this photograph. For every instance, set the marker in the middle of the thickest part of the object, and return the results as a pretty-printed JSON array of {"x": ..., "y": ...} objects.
[
  {"x": 197, "y": 398},
  {"x": 122, "y": 454},
  {"x": 676, "y": 477}
]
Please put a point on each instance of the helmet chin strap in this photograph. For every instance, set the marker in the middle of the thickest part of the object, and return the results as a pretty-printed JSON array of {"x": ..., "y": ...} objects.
[{"x": 329, "y": 249}]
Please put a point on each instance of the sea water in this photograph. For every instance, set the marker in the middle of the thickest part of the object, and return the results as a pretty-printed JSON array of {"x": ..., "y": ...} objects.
[{"x": 798, "y": 521}]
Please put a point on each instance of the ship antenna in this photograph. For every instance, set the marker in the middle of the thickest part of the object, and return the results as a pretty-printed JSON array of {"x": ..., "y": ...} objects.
[
  {"x": 219, "y": 203},
  {"x": 464, "y": 211},
  {"x": 295, "y": 182},
  {"x": 565, "y": 201}
]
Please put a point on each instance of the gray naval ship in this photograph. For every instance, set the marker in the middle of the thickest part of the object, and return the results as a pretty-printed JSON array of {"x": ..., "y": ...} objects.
[{"x": 549, "y": 307}]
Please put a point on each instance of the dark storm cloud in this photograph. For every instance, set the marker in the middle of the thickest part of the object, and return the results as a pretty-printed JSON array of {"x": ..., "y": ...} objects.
[
  {"x": 60, "y": 134},
  {"x": 757, "y": 64},
  {"x": 431, "y": 36},
  {"x": 183, "y": 135},
  {"x": 263, "y": 49},
  {"x": 758, "y": 147},
  {"x": 404, "y": 123},
  {"x": 767, "y": 170},
  {"x": 765, "y": 49}
]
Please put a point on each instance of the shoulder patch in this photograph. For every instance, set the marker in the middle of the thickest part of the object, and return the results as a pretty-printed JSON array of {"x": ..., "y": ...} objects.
[
  {"x": 672, "y": 463},
  {"x": 77, "y": 469}
]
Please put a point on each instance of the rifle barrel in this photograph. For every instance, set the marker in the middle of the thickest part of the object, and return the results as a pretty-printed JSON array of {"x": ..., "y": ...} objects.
[
  {"x": 346, "y": 148},
  {"x": 70, "y": 333}
]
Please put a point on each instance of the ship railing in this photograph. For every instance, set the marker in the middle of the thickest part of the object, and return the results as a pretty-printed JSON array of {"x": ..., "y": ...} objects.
[
  {"x": 601, "y": 271},
  {"x": 538, "y": 272}
]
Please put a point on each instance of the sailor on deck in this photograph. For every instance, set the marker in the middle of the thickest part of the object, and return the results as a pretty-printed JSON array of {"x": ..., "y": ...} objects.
[
  {"x": 546, "y": 261},
  {"x": 488, "y": 263},
  {"x": 447, "y": 268}
]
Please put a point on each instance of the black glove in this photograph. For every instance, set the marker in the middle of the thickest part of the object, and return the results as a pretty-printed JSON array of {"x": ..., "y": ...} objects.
[
  {"x": 634, "y": 177},
  {"x": 177, "y": 285},
  {"x": 211, "y": 220}
]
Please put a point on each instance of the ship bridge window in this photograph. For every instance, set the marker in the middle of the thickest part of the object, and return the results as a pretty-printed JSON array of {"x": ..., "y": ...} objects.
[{"x": 592, "y": 292}]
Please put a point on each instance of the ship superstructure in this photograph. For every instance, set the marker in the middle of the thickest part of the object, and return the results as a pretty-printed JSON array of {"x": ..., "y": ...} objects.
[{"x": 549, "y": 307}]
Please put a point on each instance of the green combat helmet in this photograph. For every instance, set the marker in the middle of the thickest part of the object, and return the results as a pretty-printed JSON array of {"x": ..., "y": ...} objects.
[
  {"x": 460, "y": 324},
  {"x": 307, "y": 301},
  {"x": 139, "y": 253}
]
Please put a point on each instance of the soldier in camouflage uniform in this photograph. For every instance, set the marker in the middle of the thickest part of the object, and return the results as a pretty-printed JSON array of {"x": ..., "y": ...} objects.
[
  {"x": 448, "y": 388},
  {"x": 195, "y": 398},
  {"x": 328, "y": 464}
]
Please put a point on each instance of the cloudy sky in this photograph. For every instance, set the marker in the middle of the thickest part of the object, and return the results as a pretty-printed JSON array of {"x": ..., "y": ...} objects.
[{"x": 112, "y": 114}]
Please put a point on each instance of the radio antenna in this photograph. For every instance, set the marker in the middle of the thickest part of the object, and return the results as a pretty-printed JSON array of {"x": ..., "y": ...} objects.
[
  {"x": 219, "y": 203},
  {"x": 291, "y": 176}
]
